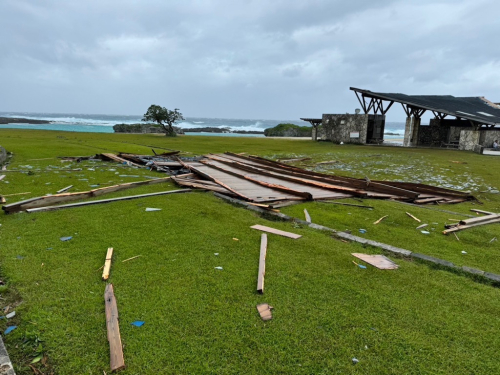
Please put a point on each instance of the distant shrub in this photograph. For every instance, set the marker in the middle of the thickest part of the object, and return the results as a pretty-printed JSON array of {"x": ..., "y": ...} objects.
[{"x": 288, "y": 130}]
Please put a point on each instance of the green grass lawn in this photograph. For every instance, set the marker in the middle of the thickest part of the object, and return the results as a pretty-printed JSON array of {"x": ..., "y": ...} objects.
[{"x": 200, "y": 320}]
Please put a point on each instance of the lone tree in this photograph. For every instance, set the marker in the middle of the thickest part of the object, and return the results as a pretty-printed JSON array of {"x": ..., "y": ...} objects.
[{"x": 164, "y": 117}]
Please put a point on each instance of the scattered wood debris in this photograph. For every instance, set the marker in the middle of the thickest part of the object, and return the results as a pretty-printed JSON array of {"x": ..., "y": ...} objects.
[
  {"x": 264, "y": 310},
  {"x": 262, "y": 263},
  {"x": 276, "y": 231},
  {"x": 422, "y": 226},
  {"x": 116, "y": 359},
  {"x": 488, "y": 218},
  {"x": 379, "y": 220},
  {"x": 413, "y": 217},
  {"x": 107, "y": 264},
  {"x": 50, "y": 200},
  {"x": 328, "y": 162},
  {"x": 379, "y": 261},
  {"x": 264, "y": 181}
]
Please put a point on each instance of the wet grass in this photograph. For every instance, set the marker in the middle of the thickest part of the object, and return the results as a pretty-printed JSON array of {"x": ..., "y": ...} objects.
[{"x": 201, "y": 320}]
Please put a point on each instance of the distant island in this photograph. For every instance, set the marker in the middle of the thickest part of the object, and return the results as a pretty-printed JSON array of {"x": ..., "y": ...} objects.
[
  {"x": 17, "y": 120},
  {"x": 288, "y": 130},
  {"x": 392, "y": 134}
]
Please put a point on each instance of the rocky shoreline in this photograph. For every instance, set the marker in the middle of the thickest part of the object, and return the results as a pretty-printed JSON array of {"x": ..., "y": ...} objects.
[{"x": 18, "y": 120}]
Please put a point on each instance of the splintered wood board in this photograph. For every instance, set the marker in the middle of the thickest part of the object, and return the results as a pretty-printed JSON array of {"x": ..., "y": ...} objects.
[
  {"x": 276, "y": 231},
  {"x": 262, "y": 263},
  {"x": 264, "y": 310},
  {"x": 379, "y": 261},
  {"x": 116, "y": 360},
  {"x": 107, "y": 264}
]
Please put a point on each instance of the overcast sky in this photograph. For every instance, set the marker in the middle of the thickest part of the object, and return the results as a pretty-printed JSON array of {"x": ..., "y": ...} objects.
[{"x": 279, "y": 59}]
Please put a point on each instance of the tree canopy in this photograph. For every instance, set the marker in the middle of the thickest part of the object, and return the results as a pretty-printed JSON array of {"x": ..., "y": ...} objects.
[{"x": 164, "y": 117}]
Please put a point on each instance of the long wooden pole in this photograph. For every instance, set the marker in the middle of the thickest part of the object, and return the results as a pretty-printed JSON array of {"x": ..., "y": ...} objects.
[
  {"x": 107, "y": 264},
  {"x": 262, "y": 263},
  {"x": 116, "y": 360}
]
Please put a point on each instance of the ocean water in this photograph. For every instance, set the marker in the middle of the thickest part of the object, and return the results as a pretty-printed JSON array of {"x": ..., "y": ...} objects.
[{"x": 104, "y": 123}]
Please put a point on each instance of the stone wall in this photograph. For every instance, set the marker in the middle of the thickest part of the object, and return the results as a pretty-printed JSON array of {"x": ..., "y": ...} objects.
[
  {"x": 3, "y": 155},
  {"x": 488, "y": 136},
  {"x": 468, "y": 139},
  {"x": 340, "y": 128}
]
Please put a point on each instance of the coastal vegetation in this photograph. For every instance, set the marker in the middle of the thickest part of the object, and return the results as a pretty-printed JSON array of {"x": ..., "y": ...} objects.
[
  {"x": 164, "y": 117},
  {"x": 138, "y": 128},
  {"x": 198, "y": 319},
  {"x": 288, "y": 130}
]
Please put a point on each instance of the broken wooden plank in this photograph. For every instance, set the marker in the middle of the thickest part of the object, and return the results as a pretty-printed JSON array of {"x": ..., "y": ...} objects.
[
  {"x": 262, "y": 263},
  {"x": 462, "y": 227},
  {"x": 479, "y": 219},
  {"x": 413, "y": 217},
  {"x": 68, "y": 197},
  {"x": 379, "y": 220},
  {"x": 118, "y": 159},
  {"x": 379, "y": 261},
  {"x": 422, "y": 226},
  {"x": 80, "y": 204},
  {"x": 264, "y": 310},
  {"x": 116, "y": 360},
  {"x": 306, "y": 214},
  {"x": 64, "y": 189},
  {"x": 482, "y": 212},
  {"x": 107, "y": 264},
  {"x": 276, "y": 231}
]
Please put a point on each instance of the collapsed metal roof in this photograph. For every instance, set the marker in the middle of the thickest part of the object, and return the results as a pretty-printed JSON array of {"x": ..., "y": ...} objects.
[{"x": 476, "y": 109}]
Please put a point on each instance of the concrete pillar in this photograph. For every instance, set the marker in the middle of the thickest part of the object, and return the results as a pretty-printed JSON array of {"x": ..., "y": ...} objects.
[
  {"x": 415, "y": 129},
  {"x": 408, "y": 132}
]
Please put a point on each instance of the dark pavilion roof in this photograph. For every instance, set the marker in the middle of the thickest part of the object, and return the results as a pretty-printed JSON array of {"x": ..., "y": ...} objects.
[{"x": 477, "y": 109}]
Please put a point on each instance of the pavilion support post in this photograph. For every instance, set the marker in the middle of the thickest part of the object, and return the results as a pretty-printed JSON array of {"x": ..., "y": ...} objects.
[
  {"x": 415, "y": 131},
  {"x": 315, "y": 133},
  {"x": 408, "y": 131}
]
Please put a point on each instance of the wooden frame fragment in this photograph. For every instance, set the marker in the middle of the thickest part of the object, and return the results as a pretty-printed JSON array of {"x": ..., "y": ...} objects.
[
  {"x": 262, "y": 263},
  {"x": 107, "y": 264},
  {"x": 116, "y": 359}
]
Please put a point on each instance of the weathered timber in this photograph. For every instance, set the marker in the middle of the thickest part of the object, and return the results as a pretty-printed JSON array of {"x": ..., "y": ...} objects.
[
  {"x": 379, "y": 261},
  {"x": 107, "y": 264},
  {"x": 262, "y": 263},
  {"x": 89, "y": 203},
  {"x": 264, "y": 310},
  {"x": 308, "y": 217},
  {"x": 116, "y": 360},
  {"x": 413, "y": 217},
  {"x": 64, "y": 189},
  {"x": 276, "y": 231},
  {"x": 347, "y": 204},
  {"x": 479, "y": 219},
  {"x": 113, "y": 157},
  {"x": 69, "y": 197},
  {"x": 462, "y": 227},
  {"x": 126, "y": 260},
  {"x": 379, "y": 220},
  {"x": 302, "y": 194},
  {"x": 482, "y": 212}
]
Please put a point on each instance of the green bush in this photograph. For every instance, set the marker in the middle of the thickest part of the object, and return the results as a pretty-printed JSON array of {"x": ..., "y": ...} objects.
[{"x": 288, "y": 130}]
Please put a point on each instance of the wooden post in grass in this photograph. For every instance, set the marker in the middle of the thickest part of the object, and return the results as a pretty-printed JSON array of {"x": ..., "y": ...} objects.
[
  {"x": 262, "y": 263},
  {"x": 107, "y": 264},
  {"x": 116, "y": 360}
]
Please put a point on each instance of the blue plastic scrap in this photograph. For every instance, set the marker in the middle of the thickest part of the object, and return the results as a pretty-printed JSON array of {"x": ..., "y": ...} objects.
[
  {"x": 9, "y": 330},
  {"x": 138, "y": 323},
  {"x": 362, "y": 231},
  {"x": 66, "y": 238}
]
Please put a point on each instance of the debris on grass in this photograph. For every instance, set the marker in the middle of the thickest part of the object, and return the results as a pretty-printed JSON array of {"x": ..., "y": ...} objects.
[
  {"x": 9, "y": 330},
  {"x": 107, "y": 264},
  {"x": 276, "y": 231},
  {"x": 264, "y": 310},
  {"x": 306, "y": 214},
  {"x": 379, "y": 220},
  {"x": 150, "y": 209},
  {"x": 359, "y": 265},
  {"x": 126, "y": 260},
  {"x": 219, "y": 268},
  {"x": 235, "y": 239},
  {"x": 379, "y": 261},
  {"x": 413, "y": 217},
  {"x": 464, "y": 252},
  {"x": 363, "y": 231},
  {"x": 10, "y": 315},
  {"x": 425, "y": 232},
  {"x": 138, "y": 323},
  {"x": 262, "y": 263},
  {"x": 355, "y": 361},
  {"x": 64, "y": 189},
  {"x": 493, "y": 239},
  {"x": 66, "y": 238},
  {"x": 422, "y": 226},
  {"x": 116, "y": 359}
]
